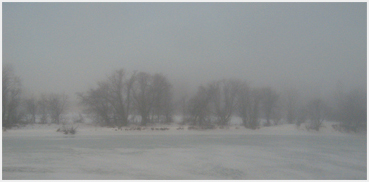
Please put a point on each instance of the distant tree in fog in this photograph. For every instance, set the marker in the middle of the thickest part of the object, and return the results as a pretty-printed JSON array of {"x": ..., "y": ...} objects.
[
  {"x": 276, "y": 115},
  {"x": 352, "y": 109},
  {"x": 244, "y": 104},
  {"x": 31, "y": 109},
  {"x": 97, "y": 104},
  {"x": 152, "y": 96},
  {"x": 43, "y": 109},
  {"x": 119, "y": 96},
  {"x": 143, "y": 95},
  {"x": 248, "y": 105},
  {"x": 57, "y": 105},
  {"x": 291, "y": 106},
  {"x": 110, "y": 103},
  {"x": 316, "y": 113},
  {"x": 199, "y": 105},
  {"x": 183, "y": 104},
  {"x": 11, "y": 97},
  {"x": 269, "y": 102},
  {"x": 255, "y": 100},
  {"x": 162, "y": 104},
  {"x": 301, "y": 115},
  {"x": 224, "y": 99}
]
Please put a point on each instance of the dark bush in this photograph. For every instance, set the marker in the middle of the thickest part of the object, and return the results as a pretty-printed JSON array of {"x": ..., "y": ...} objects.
[{"x": 66, "y": 130}]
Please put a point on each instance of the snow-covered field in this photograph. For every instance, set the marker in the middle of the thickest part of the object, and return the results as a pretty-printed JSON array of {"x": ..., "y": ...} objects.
[{"x": 277, "y": 152}]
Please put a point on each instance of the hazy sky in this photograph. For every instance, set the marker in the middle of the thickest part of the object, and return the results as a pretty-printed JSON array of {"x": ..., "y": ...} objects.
[{"x": 67, "y": 47}]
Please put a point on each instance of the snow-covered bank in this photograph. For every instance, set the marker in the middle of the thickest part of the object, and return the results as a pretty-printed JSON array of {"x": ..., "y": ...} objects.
[
  {"x": 277, "y": 152},
  {"x": 91, "y": 129}
]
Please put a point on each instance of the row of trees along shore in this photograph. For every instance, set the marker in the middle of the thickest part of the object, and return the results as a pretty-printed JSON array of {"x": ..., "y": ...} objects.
[{"x": 124, "y": 98}]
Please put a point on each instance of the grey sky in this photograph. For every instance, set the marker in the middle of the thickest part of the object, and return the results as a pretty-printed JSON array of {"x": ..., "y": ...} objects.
[{"x": 67, "y": 47}]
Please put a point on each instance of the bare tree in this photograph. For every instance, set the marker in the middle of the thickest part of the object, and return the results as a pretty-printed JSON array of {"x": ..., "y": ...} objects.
[
  {"x": 143, "y": 95},
  {"x": 277, "y": 113},
  {"x": 199, "y": 105},
  {"x": 291, "y": 105},
  {"x": 129, "y": 98},
  {"x": 244, "y": 104},
  {"x": 162, "y": 105},
  {"x": 225, "y": 99},
  {"x": 352, "y": 110},
  {"x": 11, "y": 97},
  {"x": 301, "y": 115},
  {"x": 31, "y": 109},
  {"x": 43, "y": 109},
  {"x": 110, "y": 102},
  {"x": 97, "y": 104},
  {"x": 57, "y": 104},
  {"x": 120, "y": 96},
  {"x": 256, "y": 98},
  {"x": 183, "y": 102},
  {"x": 269, "y": 102},
  {"x": 315, "y": 110}
]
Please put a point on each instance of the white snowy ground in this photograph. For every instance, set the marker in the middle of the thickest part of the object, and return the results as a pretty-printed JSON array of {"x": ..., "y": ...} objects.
[{"x": 277, "y": 152}]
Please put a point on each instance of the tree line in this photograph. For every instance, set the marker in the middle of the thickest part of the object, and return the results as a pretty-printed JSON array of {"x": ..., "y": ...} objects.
[
  {"x": 123, "y": 98},
  {"x": 18, "y": 110},
  {"x": 122, "y": 95}
]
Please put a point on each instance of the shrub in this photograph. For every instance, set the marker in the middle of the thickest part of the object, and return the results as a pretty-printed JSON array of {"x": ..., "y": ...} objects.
[{"x": 66, "y": 130}]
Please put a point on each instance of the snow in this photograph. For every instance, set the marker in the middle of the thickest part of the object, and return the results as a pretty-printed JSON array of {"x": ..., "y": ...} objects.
[{"x": 277, "y": 152}]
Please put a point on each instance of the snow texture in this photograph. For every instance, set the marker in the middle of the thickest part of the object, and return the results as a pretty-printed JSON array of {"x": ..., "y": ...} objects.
[{"x": 277, "y": 152}]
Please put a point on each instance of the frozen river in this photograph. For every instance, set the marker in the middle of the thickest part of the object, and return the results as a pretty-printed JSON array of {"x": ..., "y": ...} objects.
[{"x": 185, "y": 156}]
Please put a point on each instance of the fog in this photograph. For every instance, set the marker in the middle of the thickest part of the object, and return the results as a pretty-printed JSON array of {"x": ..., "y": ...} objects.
[{"x": 68, "y": 47}]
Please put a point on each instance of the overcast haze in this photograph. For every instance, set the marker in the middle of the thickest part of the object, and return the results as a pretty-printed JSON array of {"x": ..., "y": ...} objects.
[{"x": 67, "y": 47}]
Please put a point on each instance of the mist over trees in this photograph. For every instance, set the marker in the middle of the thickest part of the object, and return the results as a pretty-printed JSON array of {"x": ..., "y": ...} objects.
[
  {"x": 121, "y": 97},
  {"x": 142, "y": 98},
  {"x": 291, "y": 105},
  {"x": 43, "y": 109},
  {"x": 351, "y": 110},
  {"x": 225, "y": 99},
  {"x": 110, "y": 103},
  {"x": 11, "y": 97},
  {"x": 57, "y": 104},
  {"x": 18, "y": 110},
  {"x": 249, "y": 106},
  {"x": 198, "y": 107},
  {"x": 316, "y": 113},
  {"x": 163, "y": 107},
  {"x": 269, "y": 101},
  {"x": 31, "y": 107}
]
